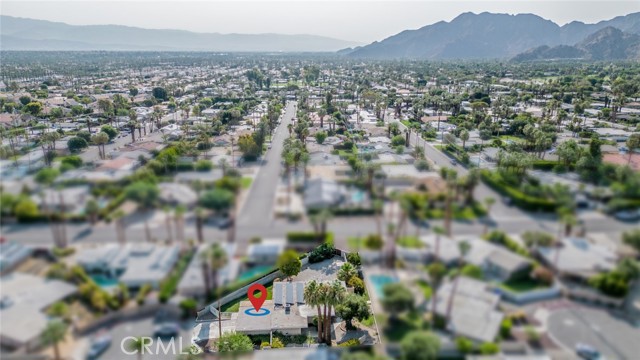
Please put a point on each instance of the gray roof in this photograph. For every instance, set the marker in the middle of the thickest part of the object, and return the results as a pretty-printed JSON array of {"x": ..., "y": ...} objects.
[
  {"x": 24, "y": 297},
  {"x": 319, "y": 193},
  {"x": 473, "y": 313},
  {"x": 579, "y": 256}
]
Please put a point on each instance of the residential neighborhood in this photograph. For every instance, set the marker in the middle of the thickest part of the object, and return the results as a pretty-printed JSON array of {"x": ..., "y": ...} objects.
[{"x": 388, "y": 209}]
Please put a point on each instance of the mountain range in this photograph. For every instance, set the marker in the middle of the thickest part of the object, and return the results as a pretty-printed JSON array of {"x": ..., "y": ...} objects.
[
  {"x": 494, "y": 36},
  {"x": 29, "y": 34}
]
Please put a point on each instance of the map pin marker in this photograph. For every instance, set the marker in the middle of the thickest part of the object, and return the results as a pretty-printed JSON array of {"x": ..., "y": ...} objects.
[{"x": 257, "y": 301}]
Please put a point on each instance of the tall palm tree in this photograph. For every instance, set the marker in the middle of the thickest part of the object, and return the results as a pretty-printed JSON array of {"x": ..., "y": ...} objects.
[
  {"x": 167, "y": 222},
  {"x": 488, "y": 203},
  {"x": 436, "y": 273},
  {"x": 218, "y": 259},
  {"x": 206, "y": 272},
  {"x": 53, "y": 334},
  {"x": 319, "y": 222},
  {"x": 335, "y": 294},
  {"x": 450, "y": 177},
  {"x": 313, "y": 297},
  {"x": 199, "y": 213}
]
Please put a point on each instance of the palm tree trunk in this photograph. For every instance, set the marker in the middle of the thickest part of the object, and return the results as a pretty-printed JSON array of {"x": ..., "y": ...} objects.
[
  {"x": 320, "y": 327},
  {"x": 56, "y": 351}
]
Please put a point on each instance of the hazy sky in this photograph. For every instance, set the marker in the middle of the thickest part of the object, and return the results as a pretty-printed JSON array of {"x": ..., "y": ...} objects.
[{"x": 359, "y": 20}]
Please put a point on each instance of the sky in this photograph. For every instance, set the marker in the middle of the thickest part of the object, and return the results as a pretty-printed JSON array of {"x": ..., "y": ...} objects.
[{"x": 356, "y": 20}]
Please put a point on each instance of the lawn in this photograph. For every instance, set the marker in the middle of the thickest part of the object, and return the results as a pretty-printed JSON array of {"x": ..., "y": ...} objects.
[
  {"x": 410, "y": 242},
  {"x": 355, "y": 243},
  {"x": 426, "y": 289},
  {"x": 396, "y": 330},
  {"x": 245, "y": 182},
  {"x": 234, "y": 306},
  {"x": 522, "y": 285}
]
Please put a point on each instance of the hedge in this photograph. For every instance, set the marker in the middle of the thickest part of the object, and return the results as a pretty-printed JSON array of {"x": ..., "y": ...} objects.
[
  {"x": 547, "y": 165},
  {"x": 233, "y": 286},
  {"x": 305, "y": 236},
  {"x": 519, "y": 198},
  {"x": 168, "y": 287}
]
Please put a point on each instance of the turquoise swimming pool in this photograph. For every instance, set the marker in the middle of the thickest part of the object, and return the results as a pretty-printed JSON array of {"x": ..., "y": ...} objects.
[
  {"x": 357, "y": 196},
  {"x": 379, "y": 281},
  {"x": 254, "y": 271},
  {"x": 103, "y": 281}
]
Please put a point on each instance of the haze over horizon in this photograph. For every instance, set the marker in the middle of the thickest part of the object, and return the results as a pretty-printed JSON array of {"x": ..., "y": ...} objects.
[{"x": 352, "y": 20}]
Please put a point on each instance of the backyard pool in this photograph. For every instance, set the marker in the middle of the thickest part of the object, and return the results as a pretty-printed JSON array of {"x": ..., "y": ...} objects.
[
  {"x": 254, "y": 271},
  {"x": 379, "y": 281},
  {"x": 357, "y": 196},
  {"x": 104, "y": 281}
]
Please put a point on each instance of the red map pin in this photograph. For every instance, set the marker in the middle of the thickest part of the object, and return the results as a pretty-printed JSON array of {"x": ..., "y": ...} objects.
[{"x": 257, "y": 301}]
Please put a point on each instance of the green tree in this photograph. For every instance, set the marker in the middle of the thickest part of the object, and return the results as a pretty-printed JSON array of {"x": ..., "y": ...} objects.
[
  {"x": 353, "y": 307},
  {"x": 76, "y": 144},
  {"x": 109, "y": 130},
  {"x": 234, "y": 343},
  {"x": 159, "y": 93},
  {"x": 321, "y": 136},
  {"x": 33, "y": 108},
  {"x": 138, "y": 344},
  {"x": 464, "y": 345},
  {"x": 26, "y": 210},
  {"x": 143, "y": 193},
  {"x": 346, "y": 272},
  {"x": 397, "y": 299},
  {"x": 420, "y": 345},
  {"x": 633, "y": 143},
  {"x": 632, "y": 238},
  {"x": 464, "y": 136},
  {"x": 46, "y": 176},
  {"x": 289, "y": 263},
  {"x": 218, "y": 200},
  {"x": 53, "y": 334}
]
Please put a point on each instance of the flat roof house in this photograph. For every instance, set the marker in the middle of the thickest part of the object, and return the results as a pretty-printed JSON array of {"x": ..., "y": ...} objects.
[
  {"x": 133, "y": 265},
  {"x": 22, "y": 304},
  {"x": 579, "y": 258},
  {"x": 473, "y": 309}
]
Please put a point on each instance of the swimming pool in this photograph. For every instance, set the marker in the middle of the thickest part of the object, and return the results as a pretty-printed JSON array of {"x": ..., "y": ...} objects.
[
  {"x": 379, "y": 281},
  {"x": 357, "y": 196},
  {"x": 254, "y": 271},
  {"x": 104, "y": 281}
]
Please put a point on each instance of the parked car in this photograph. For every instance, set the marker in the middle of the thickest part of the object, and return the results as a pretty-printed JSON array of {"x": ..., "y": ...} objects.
[
  {"x": 454, "y": 162},
  {"x": 628, "y": 215},
  {"x": 166, "y": 329},
  {"x": 98, "y": 345},
  {"x": 587, "y": 352}
]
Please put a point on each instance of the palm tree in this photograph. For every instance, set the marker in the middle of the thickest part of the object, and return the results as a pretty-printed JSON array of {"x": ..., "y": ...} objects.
[
  {"x": 313, "y": 297},
  {"x": 53, "y": 334},
  {"x": 138, "y": 344},
  {"x": 319, "y": 222},
  {"x": 436, "y": 273},
  {"x": 450, "y": 177},
  {"x": 464, "y": 248},
  {"x": 488, "y": 203},
  {"x": 100, "y": 140},
  {"x": 335, "y": 294},
  {"x": 199, "y": 213},
  {"x": 167, "y": 222},
  {"x": 217, "y": 260}
]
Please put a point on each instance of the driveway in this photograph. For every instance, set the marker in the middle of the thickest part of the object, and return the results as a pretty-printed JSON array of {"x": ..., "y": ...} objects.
[{"x": 614, "y": 337}]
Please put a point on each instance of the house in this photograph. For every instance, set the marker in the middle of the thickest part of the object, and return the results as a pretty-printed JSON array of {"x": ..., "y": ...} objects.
[
  {"x": 265, "y": 252},
  {"x": 323, "y": 193},
  {"x": 192, "y": 282},
  {"x": 23, "y": 303},
  {"x": 71, "y": 200},
  {"x": 133, "y": 265},
  {"x": 177, "y": 194},
  {"x": 473, "y": 309},
  {"x": 579, "y": 258},
  {"x": 12, "y": 254}
]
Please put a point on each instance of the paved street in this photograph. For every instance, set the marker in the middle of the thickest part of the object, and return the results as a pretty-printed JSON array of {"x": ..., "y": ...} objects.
[
  {"x": 613, "y": 337},
  {"x": 136, "y": 328}
]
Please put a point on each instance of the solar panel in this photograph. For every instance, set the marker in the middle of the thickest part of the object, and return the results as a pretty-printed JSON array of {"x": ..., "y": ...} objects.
[
  {"x": 300, "y": 292},
  {"x": 289, "y": 293},
  {"x": 277, "y": 293}
]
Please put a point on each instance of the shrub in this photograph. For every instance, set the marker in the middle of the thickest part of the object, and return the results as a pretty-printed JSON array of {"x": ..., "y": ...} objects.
[
  {"x": 301, "y": 236},
  {"x": 276, "y": 343},
  {"x": 46, "y": 175},
  {"x": 354, "y": 259},
  {"x": 496, "y": 182},
  {"x": 505, "y": 328},
  {"x": 322, "y": 252},
  {"x": 203, "y": 165},
  {"x": 73, "y": 160},
  {"x": 543, "y": 275},
  {"x": 357, "y": 284},
  {"x": 63, "y": 252},
  {"x": 489, "y": 348},
  {"x": 398, "y": 140},
  {"x": 142, "y": 294},
  {"x": 26, "y": 210},
  {"x": 464, "y": 345},
  {"x": 350, "y": 342}
]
